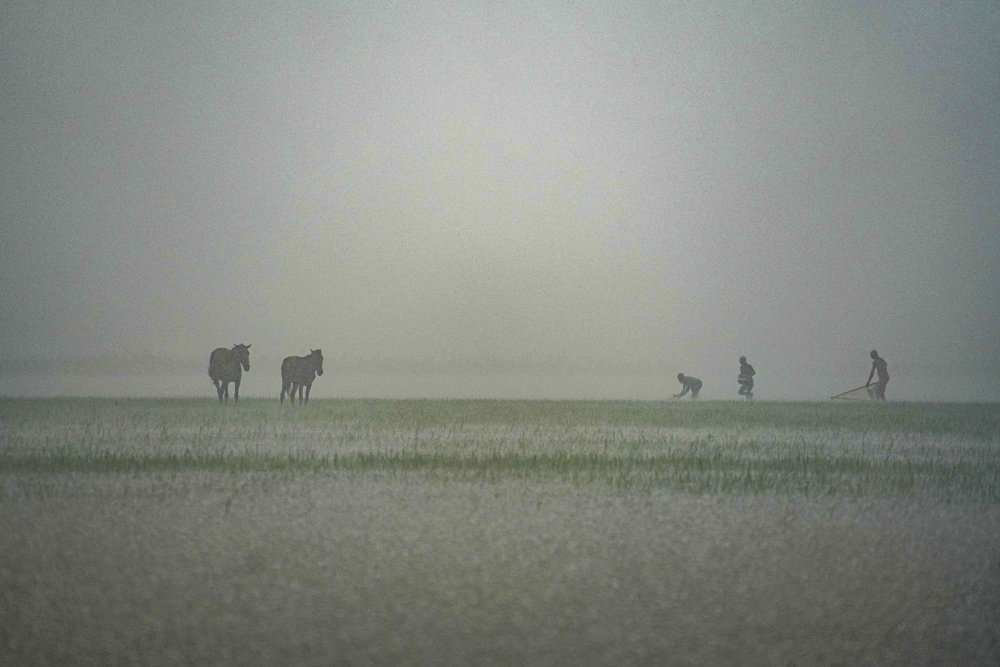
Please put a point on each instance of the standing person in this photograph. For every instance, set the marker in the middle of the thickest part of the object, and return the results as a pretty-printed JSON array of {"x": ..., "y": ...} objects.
[
  {"x": 689, "y": 383},
  {"x": 879, "y": 366},
  {"x": 745, "y": 379}
]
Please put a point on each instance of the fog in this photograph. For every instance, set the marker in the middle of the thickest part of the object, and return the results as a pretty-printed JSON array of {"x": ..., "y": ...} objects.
[{"x": 536, "y": 199}]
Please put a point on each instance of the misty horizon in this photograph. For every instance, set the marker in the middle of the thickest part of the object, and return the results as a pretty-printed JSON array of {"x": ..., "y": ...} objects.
[
  {"x": 144, "y": 374},
  {"x": 621, "y": 191}
]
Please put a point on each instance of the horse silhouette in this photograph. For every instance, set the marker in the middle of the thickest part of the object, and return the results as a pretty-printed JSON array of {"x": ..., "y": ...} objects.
[
  {"x": 299, "y": 373},
  {"x": 225, "y": 366}
]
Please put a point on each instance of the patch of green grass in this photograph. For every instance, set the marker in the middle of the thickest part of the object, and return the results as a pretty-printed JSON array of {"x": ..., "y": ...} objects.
[
  {"x": 497, "y": 532},
  {"x": 811, "y": 449}
]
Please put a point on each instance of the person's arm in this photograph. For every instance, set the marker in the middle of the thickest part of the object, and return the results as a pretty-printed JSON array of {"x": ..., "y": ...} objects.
[
  {"x": 684, "y": 390},
  {"x": 871, "y": 375}
]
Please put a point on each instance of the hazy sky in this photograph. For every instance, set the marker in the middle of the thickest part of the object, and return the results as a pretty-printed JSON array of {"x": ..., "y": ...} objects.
[{"x": 660, "y": 186}]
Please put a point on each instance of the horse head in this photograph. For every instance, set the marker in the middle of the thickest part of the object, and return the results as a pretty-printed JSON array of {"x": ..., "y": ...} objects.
[
  {"x": 317, "y": 356},
  {"x": 243, "y": 355}
]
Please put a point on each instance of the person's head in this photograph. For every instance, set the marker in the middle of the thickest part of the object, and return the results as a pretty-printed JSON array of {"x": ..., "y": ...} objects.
[
  {"x": 874, "y": 354},
  {"x": 743, "y": 360},
  {"x": 680, "y": 376}
]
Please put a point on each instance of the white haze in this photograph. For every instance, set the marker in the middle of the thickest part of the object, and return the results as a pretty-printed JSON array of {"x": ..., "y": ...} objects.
[{"x": 610, "y": 191}]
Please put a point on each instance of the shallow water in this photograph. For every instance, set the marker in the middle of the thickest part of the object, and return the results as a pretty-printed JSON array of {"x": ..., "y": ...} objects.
[
  {"x": 498, "y": 532},
  {"x": 222, "y": 569}
]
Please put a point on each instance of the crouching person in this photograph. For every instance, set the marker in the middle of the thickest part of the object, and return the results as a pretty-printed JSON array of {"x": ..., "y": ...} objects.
[{"x": 690, "y": 384}]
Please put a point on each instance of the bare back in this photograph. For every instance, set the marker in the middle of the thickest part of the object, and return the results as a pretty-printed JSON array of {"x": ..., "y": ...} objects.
[{"x": 224, "y": 366}]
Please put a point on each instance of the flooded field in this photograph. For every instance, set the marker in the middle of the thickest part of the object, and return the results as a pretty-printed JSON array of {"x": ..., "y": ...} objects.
[{"x": 485, "y": 532}]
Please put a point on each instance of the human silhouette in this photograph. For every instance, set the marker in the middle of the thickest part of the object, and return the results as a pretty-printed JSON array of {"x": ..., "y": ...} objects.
[
  {"x": 882, "y": 369},
  {"x": 745, "y": 379},
  {"x": 688, "y": 383}
]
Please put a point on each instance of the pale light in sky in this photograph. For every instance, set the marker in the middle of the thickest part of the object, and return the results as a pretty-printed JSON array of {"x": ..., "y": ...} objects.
[{"x": 652, "y": 187}]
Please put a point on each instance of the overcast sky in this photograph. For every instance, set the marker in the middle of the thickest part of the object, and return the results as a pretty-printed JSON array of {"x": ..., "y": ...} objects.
[{"x": 660, "y": 186}]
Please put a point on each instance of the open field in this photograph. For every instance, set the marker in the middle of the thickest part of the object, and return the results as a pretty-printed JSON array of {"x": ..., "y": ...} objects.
[{"x": 460, "y": 532}]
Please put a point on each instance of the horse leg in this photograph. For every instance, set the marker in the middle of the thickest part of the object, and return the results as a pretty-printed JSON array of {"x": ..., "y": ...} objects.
[
  {"x": 236, "y": 391},
  {"x": 225, "y": 387},
  {"x": 301, "y": 387},
  {"x": 284, "y": 388},
  {"x": 308, "y": 389},
  {"x": 218, "y": 389}
]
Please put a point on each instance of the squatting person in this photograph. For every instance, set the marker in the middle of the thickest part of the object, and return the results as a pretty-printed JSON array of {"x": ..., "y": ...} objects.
[{"x": 745, "y": 378}]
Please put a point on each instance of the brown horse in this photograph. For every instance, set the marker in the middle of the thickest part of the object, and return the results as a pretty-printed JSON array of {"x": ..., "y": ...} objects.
[
  {"x": 299, "y": 372},
  {"x": 225, "y": 366}
]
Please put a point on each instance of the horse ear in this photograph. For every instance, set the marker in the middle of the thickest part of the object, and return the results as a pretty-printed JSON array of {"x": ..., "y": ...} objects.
[{"x": 248, "y": 346}]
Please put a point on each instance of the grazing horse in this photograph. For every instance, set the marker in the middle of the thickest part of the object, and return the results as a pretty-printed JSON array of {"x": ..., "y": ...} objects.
[
  {"x": 224, "y": 366},
  {"x": 299, "y": 372}
]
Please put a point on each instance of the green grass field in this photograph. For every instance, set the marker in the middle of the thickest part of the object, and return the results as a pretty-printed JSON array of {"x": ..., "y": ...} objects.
[{"x": 483, "y": 532}]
